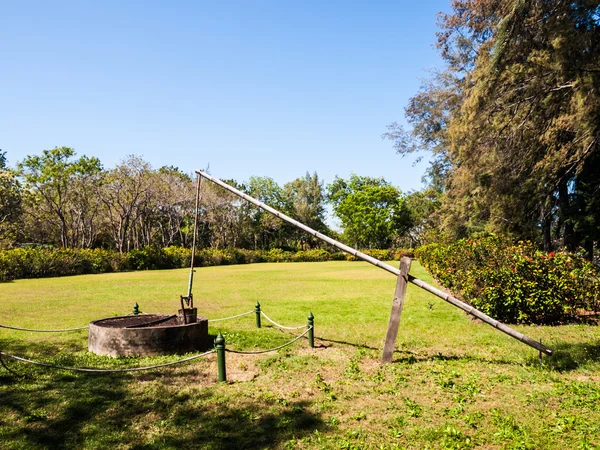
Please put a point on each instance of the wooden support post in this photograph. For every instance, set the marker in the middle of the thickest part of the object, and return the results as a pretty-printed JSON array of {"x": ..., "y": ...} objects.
[{"x": 392, "y": 331}]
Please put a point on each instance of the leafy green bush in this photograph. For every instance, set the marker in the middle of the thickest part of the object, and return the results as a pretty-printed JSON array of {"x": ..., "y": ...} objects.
[
  {"x": 514, "y": 282},
  {"x": 278, "y": 255},
  {"x": 382, "y": 255},
  {"x": 51, "y": 262},
  {"x": 253, "y": 256},
  {"x": 314, "y": 255},
  {"x": 399, "y": 253},
  {"x": 148, "y": 258},
  {"x": 338, "y": 256},
  {"x": 179, "y": 257}
]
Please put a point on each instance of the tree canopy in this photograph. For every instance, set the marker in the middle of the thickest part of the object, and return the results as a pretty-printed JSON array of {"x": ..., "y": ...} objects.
[
  {"x": 372, "y": 211},
  {"x": 60, "y": 198},
  {"x": 50, "y": 181},
  {"x": 10, "y": 202},
  {"x": 513, "y": 120}
]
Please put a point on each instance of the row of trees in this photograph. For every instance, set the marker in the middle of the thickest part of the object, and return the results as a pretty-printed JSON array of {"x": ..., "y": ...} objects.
[
  {"x": 59, "y": 199},
  {"x": 513, "y": 122}
]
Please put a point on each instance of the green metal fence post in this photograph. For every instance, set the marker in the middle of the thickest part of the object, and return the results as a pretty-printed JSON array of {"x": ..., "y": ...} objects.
[
  {"x": 311, "y": 330},
  {"x": 136, "y": 309},
  {"x": 220, "y": 344},
  {"x": 257, "y": 310}
]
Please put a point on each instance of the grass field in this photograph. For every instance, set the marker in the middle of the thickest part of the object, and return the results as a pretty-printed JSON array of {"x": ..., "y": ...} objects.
[{"x": 454, "y": 383}]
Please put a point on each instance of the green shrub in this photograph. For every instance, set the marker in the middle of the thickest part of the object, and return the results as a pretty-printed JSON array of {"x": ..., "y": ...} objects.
[
  {"x": 6, "y": 273},
  {"x": 278, "y": 255},
  {"x": 178, "y": 257},
  {"x": 338, "y": 256},
  {"x": 514, "y": 282},
  {"x": 382, "y": 255},
  {"x": 253, "y": 256},
  {"x": 399, "y": 253},
  {"x": 50, "y": 262},
  {"x": 314, "y": 255},
  {"x": 147, "y": 258}
]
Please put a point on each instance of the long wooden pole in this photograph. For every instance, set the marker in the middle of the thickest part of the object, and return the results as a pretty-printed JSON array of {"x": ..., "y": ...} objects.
[
  {"x": 191, "y": 279},
  {"x": 449, "y": 298}
]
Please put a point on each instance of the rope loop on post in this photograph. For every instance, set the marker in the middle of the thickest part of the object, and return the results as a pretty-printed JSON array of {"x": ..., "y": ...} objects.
[
  {"x": 281, "y": 326},
  {"x": 232, "y": 317}
]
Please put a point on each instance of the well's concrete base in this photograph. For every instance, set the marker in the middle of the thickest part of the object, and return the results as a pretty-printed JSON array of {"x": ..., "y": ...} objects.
[{"x": 148, "y": 340}]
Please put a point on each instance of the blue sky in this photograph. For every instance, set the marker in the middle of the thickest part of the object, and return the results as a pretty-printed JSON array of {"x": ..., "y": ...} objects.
[{"x": 266, "y": 88}]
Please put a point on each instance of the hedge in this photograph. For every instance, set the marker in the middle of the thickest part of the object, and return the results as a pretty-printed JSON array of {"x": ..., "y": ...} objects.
[
  {"x": 515, "y": 282},
  {"x": 52, "y": 262}
]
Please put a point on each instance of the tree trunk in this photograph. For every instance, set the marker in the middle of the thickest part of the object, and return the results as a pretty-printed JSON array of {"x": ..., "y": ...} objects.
[
  {"x": 589, "y": 249},
  {"x": 547, "y": 226},
  {"x": 565, "y": 212}
]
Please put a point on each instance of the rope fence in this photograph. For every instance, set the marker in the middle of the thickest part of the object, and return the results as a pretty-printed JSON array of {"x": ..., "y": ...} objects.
[
  {"x": 219, "y": 349},
  {"x": 43, "y": 331},
  {"x": 281, "y": 326},
  {"x": 35, "y": 330},
  {"x": 258, "y": 352},
  {"x": 64, "y": 330},
  {"x": 229, "y": 318},
  {"x": 87, "y": 369}
]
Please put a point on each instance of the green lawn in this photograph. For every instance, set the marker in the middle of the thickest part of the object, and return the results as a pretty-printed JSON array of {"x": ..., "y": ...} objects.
[{"x": 454, "y": 383}]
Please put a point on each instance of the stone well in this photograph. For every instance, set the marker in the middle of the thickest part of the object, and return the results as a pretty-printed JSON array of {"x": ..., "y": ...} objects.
[{"x": 147, "y": 335}]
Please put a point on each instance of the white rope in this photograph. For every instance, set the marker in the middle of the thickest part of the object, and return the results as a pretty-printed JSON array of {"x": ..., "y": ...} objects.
[
  {"x": 271, "y": 349},
  {"x": 85, "y": 369},
  {"x": 61, "y": 331},
  {"x": 42, "y": 331},
  {"x": 232, "y": 317},
  {"x": 281, "y": 326},
  {"x": 142, "y": 313}
]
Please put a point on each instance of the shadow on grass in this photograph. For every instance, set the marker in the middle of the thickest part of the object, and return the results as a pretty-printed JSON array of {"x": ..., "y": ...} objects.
[
  {"x": 158, "y": 409},
  {"x": 351, "y": 344},
  {"x": 408, "y": 357},
  {"x": 571, "y": 356}
]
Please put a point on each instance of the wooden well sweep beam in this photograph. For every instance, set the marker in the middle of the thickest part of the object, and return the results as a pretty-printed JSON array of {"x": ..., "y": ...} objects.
[{"x": 449, "y": 298}]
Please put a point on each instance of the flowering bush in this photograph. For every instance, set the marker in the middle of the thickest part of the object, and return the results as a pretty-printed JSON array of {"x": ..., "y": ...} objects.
[{"x": 514, "y": 282}]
